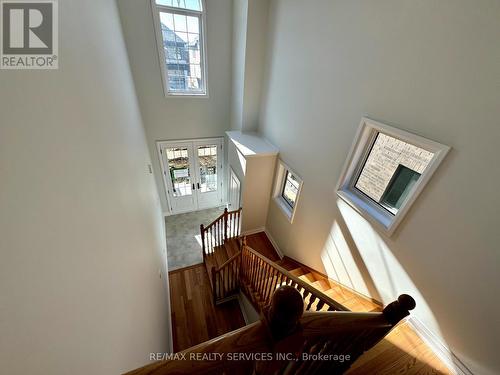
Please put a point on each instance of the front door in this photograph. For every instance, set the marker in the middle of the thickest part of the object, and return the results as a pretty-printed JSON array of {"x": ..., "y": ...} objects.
[
  {"x": 193, "y": 174},
  {"x": 180, "y": 177},
  {"x": 209, "y": 173}
]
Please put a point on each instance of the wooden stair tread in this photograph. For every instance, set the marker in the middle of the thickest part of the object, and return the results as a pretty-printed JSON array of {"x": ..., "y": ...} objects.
[
  {"x": 322, "y": 285},
  {"x": 297, "y": 272},
  {"x": 308, "y": 278},
  {"x": 331, "y": 288}
]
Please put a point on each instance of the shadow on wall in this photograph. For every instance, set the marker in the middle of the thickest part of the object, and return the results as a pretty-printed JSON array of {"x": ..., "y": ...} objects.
[{"x": 356, "y": 256}]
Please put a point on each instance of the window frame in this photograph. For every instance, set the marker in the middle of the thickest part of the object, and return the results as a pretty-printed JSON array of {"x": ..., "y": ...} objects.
[
  {"x": 156, "y": 10},
  {"x": 279, "y": 187},
  {"x": 362, "y": 146}
]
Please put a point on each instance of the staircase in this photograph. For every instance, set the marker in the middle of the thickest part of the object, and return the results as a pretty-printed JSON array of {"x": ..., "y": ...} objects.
[
  {"x": 221, "y": 248},
  {"x": 345, "y": 296},
  {"x": 302, "y": 321},
  {"x": 223, "y": 254}
]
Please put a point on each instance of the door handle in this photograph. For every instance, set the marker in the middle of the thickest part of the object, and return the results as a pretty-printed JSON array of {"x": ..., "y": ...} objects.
[
  {"x": 193, "y": 186},
  {"x": 198, "y": 185}
]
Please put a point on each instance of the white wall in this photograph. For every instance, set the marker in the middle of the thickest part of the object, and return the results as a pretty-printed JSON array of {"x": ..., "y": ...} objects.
[
  {"x": 256, "y": 192},
  {"x": 239, "y": 46},
  {"x": 434, "y": 69},
  {"x": 179, "y": 118},
  {"x": 81, "y": 233},
  {"x": 249, "y": 51}
]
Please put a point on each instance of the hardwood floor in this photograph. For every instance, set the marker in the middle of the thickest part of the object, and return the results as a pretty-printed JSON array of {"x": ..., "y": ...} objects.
[
  {"x": 195, "y": 318},
  {"x": 263, "y": 245},
  {"x": 401, "y": 352}
]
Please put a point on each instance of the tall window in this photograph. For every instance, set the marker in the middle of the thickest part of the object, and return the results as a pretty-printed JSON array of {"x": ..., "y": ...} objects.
[{"x": 181, "y": 45}]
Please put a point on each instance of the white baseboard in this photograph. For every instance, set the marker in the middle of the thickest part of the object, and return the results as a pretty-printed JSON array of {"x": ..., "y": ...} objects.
[
  {"x": 454, "y": 364},
  {"x": 253, "y": 231},
  {"x": 274, "y": 243}
]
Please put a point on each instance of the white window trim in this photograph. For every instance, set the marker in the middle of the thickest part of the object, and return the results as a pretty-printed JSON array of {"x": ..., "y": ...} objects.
[
  {"x": 288, "y": 211},
  {"x": 363, "y": 142},
  {"x": 155, "y": 9}
]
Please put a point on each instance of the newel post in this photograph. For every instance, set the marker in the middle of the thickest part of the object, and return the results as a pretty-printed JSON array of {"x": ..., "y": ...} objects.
[
  {"x": 202, "y": 232},
  {"x": 399, "y": 309},
  {"x": 284, "y": 313}
]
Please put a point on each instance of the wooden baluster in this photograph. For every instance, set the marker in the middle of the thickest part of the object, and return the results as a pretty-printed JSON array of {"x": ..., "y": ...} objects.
[
  {"x": 214, "y": 283},
  {"x": 225, "y": 224},
  {"x": 260, "y": 275},
  {"x": 256, "y": 269},
  {"x": 304, "y": 297},
  {"x": 202, "y": 233},
  {"x": 236, "y": 222},
  {"x": 263, "y": 280},
  {"x": 216, "y": 233},
  {"x": 268, "y": 282},
  {"x": 272, "y": 285},
  {"x": 312, "y": 299},
  {"x": 212, "y": 239},
  {"x": 233, "y": 231},
  {"x": 320, "y": 305}
]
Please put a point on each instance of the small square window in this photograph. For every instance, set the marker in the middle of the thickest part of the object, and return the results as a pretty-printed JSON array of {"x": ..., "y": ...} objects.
[
  {"x": 290, "y": 189},
  {"x": 287, "y": 190},
  {"x": 386, "y": 170}
]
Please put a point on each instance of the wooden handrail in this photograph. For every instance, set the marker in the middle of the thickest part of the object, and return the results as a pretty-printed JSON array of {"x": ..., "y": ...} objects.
[
  {"x": 219, "y": 218},
  {"x": 230, "y": 260},
  {"x": 225, "y": 226},
  {"x": 286, "y": 277},
  {"x": 257, "y": 349},
  {"x": 249, "y": 339}
]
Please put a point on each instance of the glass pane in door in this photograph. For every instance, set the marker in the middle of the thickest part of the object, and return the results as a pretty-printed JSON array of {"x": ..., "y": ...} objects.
[
  {"x": 207, "y": 159},
  {"x": 178, "y": 165}
]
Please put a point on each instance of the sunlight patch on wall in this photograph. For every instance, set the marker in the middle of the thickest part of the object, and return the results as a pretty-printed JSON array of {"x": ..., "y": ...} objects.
[
  {"x": 339, "y": 262},
  {"x": 388, "y": 276}
]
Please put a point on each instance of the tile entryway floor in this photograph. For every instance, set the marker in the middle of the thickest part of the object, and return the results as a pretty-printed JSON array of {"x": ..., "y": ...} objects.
[{"x": 183, "y": 237}]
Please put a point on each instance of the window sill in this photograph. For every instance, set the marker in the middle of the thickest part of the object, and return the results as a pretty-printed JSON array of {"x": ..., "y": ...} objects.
[
  {"x": 285, "y": 208},
  {"x": 370, "y": 211},
  {"x": 181, "y": 95}
]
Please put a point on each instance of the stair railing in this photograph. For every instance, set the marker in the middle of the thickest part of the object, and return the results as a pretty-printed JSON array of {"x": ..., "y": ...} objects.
[
  {"x": 260, "y": 277},
  {"x": 227, "y": 225},
  {"x": 226, "y": 279},
  {"x": 288, "y": 341}
]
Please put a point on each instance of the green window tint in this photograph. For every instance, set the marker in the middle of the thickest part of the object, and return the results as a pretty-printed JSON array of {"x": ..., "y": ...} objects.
[{"x": 399, "y": 187}]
